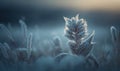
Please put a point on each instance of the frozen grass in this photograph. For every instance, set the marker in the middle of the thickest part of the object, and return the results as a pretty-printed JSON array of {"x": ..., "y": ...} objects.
[{"x": 25, "y": 53}]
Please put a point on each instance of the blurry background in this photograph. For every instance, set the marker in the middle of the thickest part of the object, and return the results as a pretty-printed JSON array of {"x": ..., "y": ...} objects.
[{"x": 45, "y": 17}]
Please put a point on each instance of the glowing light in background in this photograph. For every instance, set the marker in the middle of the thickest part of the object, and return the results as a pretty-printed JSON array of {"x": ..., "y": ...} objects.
[{"x": 109, "y": 5}]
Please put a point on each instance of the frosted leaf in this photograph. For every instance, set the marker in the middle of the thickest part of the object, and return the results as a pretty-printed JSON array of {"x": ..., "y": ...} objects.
[
  {"x": 59, "y": 57},
  {"x": 67, "y": 20},
  {"x": 57, "y": 41},
  {"x": 81, "y": 34},
  {"x": 67, "y": 31},
  {"x": 76, "y": 27},
  {"x": 92, "y": 60},
  {"x": 77, "y": 18},
  {"x": 4, "y": 51},
  {"x": 24, "y": 31},
  {"x": 72, "y": 44},
  {"x": 86, "y": 45},
  {"x": 71, "y": 27},
  {"x": 114, "y": 33},
  {"x": 6, "y": 30},
  {"x": 29, "y": 41},
  {"x": 71, "y": 37},
  {"x": 29, "y": 45}
]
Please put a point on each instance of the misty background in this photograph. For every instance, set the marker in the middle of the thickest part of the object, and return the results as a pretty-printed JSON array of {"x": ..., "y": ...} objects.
[{"x": 45, "y": 18}]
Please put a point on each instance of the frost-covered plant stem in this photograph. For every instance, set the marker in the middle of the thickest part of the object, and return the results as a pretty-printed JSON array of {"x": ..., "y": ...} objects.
[
  {"x": 77, "y": 33},
  {"x": 115, "y": 33},
  {"x": 29, "y": 45}
]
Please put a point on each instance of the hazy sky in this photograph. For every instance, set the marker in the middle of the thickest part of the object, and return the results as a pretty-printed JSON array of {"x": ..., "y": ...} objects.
[{"x": 112, "y": 5}]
